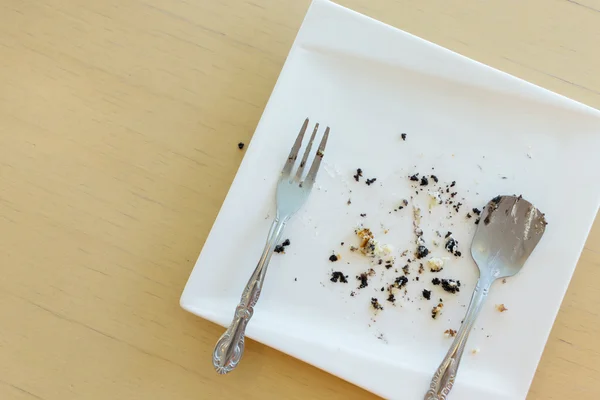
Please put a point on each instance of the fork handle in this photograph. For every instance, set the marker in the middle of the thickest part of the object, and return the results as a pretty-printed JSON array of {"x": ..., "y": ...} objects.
[
  {"x": 230, "y": 347},
  {"x": 443, "y": 379}
]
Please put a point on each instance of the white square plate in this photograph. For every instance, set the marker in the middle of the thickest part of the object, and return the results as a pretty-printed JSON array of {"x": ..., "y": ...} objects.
[{"x": 490, "y": 132}]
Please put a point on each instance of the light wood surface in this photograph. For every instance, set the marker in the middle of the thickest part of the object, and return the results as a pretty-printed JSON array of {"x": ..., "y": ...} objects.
[{"x": 119, "y": 124}]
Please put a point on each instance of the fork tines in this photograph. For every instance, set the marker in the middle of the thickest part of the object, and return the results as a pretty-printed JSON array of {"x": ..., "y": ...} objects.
[{"x": 312, "y": 173}]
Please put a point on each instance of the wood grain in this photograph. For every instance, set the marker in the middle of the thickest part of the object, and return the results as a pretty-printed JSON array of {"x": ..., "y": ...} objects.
[{"x": 119, "y": 124}]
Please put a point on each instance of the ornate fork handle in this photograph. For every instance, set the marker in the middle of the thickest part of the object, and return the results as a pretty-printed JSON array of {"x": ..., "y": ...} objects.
[
  {"x": 443, "y": 379},
  {"x": 230, "y": 347}
]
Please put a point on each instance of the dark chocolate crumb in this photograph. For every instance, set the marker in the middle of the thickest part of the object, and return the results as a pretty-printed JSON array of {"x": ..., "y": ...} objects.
[
  {"x": 279, "y": 249},
  {"x": 422, "y": 251},
  {"x": 497, "y": 199},
  {"x": 424, "y": 181},
  {"x": 448, "y": 235},
  {"x": 477, "y": 211},
  {"x": 417, "y": 278},
  {"x": 333, "y": 258},
  {"x": 338, "y": 276},
  {"x": 427, "y": 294},
  {"x": 400, "y": 282},
  {"x": 453, "y": 184},
  {"x": 435, "y": 178},
  {"x": 364, "y": 280},
  {"x": 363, "y": 215},
  {"x": 436, "y": 281},
  {"x": 341, "y": 244},
  {"x": 450, "y": 285},
  {"x": 286, "y": 242},
  {"x": 414, "y": 178},
  {"x": 457, "y": 253},
  {"x": 370, "y": 181},
  {"x": 469, "y": 215},
  {"x": 403, "y": 135},
  {"x": 391, "y": 298},
  {"x": 375, "y": 304},
  {"x": 477, "y": 221},
  {"x": 295, "y": 279},
  {"x": 241, "y": 145},
  {"x": 451, "y": 245},
  {"x": 406, "y": 270},
  {"x": 382, "y": 288},
  {"x": 349, "y": 202},
  {"x": 352, "y": 293},
  {"x": 359, "y": 173},
  {"x": 421, "y": 268}
]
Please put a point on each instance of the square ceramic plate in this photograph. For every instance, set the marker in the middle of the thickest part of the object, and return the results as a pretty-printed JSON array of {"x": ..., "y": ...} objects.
[{"x": 488, "y": 131}]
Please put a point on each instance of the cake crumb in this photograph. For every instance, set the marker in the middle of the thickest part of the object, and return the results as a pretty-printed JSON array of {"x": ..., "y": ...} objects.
[
  {"x": 449, "y": 333},
  {"x": 403, "y": 136},
  {"x": 241, "y": 145},
  {"x": 435, "y": 311},
  {"x": 475, "y": 351},
  {"x": 435, "y": 264},
  {"x": 501, "y": 308},
  {"x": 375, "y": 304}
]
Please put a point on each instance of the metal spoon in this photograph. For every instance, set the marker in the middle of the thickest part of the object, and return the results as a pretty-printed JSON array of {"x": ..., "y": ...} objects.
[{"x": 509, "y": 230}]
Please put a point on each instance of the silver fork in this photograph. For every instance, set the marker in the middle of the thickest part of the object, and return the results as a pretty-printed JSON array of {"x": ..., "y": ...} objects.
[{"x": 292, "y": 192}]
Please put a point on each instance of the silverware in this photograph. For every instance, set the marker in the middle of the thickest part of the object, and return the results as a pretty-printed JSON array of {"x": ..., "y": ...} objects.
[
  {"x": 292, "y": 192},
  {"x": 509, "y": 230}
]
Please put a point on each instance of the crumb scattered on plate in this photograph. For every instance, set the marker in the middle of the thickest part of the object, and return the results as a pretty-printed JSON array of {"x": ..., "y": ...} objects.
[
  {"x": 435, "y": 311},
  {"x": 338, "y": 276},
  {"x": 436, "y": 264},
  {"x": 375, "y": 304},
  {"x": 501, "y": 307},
  {"x": 427, "y": 294},
  {"x": 449, "y": 333},
  {"x": 241, "y": 145}
]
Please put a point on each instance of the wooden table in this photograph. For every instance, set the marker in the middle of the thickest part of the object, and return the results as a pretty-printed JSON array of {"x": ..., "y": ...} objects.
[{"x": 119, "y": 125}]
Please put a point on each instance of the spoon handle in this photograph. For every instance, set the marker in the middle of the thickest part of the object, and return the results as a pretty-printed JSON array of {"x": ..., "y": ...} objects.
[{"x": 444, "y": 377}]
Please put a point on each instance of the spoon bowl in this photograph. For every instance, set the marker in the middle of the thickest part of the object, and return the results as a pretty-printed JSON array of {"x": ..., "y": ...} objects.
[{"x": 509, "y": 229}]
